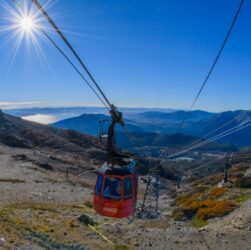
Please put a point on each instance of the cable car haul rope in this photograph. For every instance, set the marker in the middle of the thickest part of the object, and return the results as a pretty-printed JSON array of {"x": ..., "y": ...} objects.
[{"x": 115, "y": 193}]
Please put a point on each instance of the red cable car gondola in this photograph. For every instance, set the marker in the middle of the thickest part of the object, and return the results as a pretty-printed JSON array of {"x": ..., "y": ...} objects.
[
  {"x": 116, "y": 190},
  {"x": 115, "y": 193}
]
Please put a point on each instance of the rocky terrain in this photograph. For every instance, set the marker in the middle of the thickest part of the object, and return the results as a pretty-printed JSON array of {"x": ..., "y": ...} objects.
[
  {"x": 46, "y": 186},
  {"x": 43, "y": 208}
]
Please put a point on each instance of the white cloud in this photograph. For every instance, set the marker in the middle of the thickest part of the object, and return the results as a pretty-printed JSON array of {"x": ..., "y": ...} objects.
[
  {"x": 40, "y": 118},
  {"x": 8, "y": 105}
]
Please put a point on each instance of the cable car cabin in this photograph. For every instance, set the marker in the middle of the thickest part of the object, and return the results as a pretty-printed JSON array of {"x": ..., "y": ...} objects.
[{"x": 116, "y": 188}]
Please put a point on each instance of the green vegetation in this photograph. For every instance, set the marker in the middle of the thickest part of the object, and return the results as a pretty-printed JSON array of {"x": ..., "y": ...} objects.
[
  {"x": 198, "y": 223},
  {"x": 121, "y": 247},
  {"x": 244, "y": 182},
  {"x": 88, "y": 204},
  {"x": 242, "y": 198},
  {"x": 50, "y": 226},
  {"x": 206, "y": 200},
  {"x": 179, "y": 215},
  {"x": 205, "y": 209}
]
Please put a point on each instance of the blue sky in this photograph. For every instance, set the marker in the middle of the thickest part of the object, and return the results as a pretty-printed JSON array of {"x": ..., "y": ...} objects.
[{"x": 143, "y": 54}]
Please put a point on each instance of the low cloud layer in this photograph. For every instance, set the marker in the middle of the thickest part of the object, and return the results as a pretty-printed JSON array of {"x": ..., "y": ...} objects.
[{"x": 40, "y": 118}]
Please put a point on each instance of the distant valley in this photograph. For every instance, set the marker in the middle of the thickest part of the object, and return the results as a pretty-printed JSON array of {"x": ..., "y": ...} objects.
[
  {"x": 156, "y": 128},
  {"x": 161, "y": 124}
]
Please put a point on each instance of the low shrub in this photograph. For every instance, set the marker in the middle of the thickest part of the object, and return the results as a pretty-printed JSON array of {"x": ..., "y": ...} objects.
[
  {"x": 216, "y": 209},
  {"x": 243, "y": 197},
  {"x": 217, "y": 192},
  {"x": 197, "y": 223},
  {"x": 179, "y": 215},
  {"x": 200, "y": 188},
  {"x": 88, "y": 204},
  {"x": 212, "y": 180},
  {"x": 239, "y": 167},
  {"x": 236, "y": 175},
  {"x": 13, "y": 181},
  {"x": 87, "y": 220},
  {"x": 120, "y": 247},
  {"x": 244, "y": 182},
  {"x": 206, "y": 209}
]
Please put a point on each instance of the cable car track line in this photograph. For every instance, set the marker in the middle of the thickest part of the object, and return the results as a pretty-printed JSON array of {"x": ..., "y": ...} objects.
[
  {"x": 214, "y": 138},
  {"x": 214, "y": 131},
  {"x": 214, "y": 63},
  {"x": 60, "y": 33},
  {"x": 74, "y": 67}
]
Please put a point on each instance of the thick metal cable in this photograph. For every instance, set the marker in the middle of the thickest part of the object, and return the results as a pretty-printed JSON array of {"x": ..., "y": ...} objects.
[
  {"x": 214, "y": 63},
  {"x": 214, "y": 131},
  {"x": 217, "y": 137},
  {"x": 59, "y": 32},
  {"x": 74, "y": 67}
]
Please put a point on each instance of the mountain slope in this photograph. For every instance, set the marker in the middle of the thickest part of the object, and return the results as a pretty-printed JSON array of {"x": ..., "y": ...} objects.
[
  {"x": 16, "y": 132},
  {"x": 150, "y": 131},
  {"x": 89, "y": 124},
  {"x": 239, "y": 138},
  {"x": 171, "y": 142},
  {"x": 176, "y": 116}
]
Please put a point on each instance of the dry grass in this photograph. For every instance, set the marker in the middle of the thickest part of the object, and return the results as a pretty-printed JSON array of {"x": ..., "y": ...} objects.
[
  {"x": 216, "y": 209},
  {"x": 51, "y": 226},
  {"x": 206, "y": 209},
  {"x": 88, "y": 204},
  {"x": 217, "y": 192},
  {"x": 13, "y": 181}
]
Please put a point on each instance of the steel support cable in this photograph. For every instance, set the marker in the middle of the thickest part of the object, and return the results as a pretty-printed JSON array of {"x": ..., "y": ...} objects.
[
  {"x": 237, "y": 128},
  {"x": 87, "y": 82},
  {"x": 214, "y": 138},
  {"x": 87, "y": 71},
  {"x": 230, "y": 131},
  {"x": 221, "y": 135},
  {"x": 208, "y": 139},
  {"x": 59, "y": 32},
  {"x": 61, "y": 51},
  {"x": 74, "y": 67},
  {"x": 214, "y": 63},
  {"x": 130, "y": 136},
  {"x": 81, "y": 75},
  {"x": 214, "y": 131},
  {"x": 211, "y": 162}
]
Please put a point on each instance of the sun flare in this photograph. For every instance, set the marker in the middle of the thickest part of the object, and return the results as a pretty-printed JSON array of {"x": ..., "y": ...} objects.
[
  {"x": 27, "y": 24},
  {"x": 21, "y": 24}
]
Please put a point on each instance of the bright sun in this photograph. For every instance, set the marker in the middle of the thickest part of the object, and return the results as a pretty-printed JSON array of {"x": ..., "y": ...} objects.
[
  {"x": 22, "y": 23},
  {"x": 27, "y": 23}
]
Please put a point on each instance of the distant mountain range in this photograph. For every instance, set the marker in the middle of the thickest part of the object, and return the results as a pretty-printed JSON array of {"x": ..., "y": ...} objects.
[
  {"x": 61, "y": 113},
  {"x": 198, "y": 124},
  {"x": 89, "y": 124},
  {"x": 157, "y": 129},
  {"x": 171, "y": 143},
  {"x": 154, "y": 126}
]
